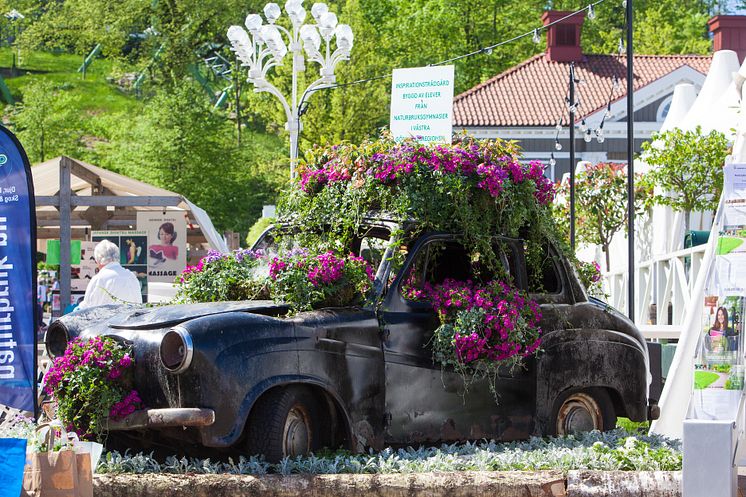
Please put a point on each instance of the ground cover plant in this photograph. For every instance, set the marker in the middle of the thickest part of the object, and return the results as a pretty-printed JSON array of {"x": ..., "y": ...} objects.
[{"x": 613, "y": 450}]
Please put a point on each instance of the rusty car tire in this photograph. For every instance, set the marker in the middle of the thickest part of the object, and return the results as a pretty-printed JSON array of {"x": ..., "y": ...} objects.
[
  {"x": 582, "y": 411},
  {"x": 286, "y": 422}
]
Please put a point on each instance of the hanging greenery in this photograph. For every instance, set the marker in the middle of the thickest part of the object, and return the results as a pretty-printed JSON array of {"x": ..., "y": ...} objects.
[{"x": 476, "y": 188}]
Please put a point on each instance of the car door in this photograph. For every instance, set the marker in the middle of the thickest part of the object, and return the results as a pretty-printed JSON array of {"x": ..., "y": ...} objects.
[{"x": 425, "y": 402}]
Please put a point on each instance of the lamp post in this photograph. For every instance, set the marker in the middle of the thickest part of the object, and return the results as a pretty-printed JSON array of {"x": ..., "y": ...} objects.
[
  {"x": 14, "y": 16},
  {"x": 263, "y": 47}
]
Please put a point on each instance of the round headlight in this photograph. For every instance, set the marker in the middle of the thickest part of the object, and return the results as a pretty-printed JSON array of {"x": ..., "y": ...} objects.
[
  {"x": 176, "y": 350},
  {"x": 56, "y": 339}
]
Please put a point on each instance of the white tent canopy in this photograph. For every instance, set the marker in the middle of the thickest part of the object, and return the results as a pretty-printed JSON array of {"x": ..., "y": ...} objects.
[{"x": 88, "y": 180}]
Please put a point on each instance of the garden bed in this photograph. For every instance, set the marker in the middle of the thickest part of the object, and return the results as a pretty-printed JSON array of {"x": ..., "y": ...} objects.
[{"x": 460, "y": 484}]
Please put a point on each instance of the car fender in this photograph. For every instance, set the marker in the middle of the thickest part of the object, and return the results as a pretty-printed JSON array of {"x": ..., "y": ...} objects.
[
  {"x": 262, "y": 387},
  {"x": 586, "y": 358}
]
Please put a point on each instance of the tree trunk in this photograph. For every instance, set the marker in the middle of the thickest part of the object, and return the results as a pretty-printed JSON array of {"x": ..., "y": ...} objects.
[
  {"x": 605, "y": 248},
  {"x": 687, "y": 222}
]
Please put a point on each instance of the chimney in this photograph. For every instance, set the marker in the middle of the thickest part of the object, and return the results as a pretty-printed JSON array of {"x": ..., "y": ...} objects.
[
  {"x": 729, "y": 33},
  {"x": 563, "y": 38}
]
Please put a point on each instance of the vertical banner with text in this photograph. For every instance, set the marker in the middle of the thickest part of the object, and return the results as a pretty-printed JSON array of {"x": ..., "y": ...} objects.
[
  {"x": 422, "y": 104},
  {"x": 18, "y": 311}
]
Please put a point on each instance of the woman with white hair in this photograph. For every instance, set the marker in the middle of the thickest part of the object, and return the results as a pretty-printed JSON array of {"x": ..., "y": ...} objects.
[{"x": 113, "y": 284}]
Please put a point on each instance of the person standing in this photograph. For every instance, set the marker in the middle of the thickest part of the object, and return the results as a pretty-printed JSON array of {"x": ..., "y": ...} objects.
[{"x": 113, "y": 284}]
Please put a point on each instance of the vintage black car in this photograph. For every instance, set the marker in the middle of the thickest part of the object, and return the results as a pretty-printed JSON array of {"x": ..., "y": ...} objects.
[{"x": 244, "y": 376}]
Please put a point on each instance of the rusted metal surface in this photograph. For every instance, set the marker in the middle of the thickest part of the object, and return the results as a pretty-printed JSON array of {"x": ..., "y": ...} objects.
[
  {"x": 163, "y": 418},
  {"x": 372, "y": 367}
]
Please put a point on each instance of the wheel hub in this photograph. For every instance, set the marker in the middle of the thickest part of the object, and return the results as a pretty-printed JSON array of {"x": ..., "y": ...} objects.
[
  {"x": 297, "y": 433},
  {"x": 579, "y": 413}
]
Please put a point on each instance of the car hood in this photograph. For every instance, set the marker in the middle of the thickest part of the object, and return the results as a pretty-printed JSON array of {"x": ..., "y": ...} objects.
[{"x": 170, "y": 315}]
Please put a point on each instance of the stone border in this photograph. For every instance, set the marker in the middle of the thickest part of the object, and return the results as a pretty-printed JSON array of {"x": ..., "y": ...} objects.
[{"x": 462, "y": 484}]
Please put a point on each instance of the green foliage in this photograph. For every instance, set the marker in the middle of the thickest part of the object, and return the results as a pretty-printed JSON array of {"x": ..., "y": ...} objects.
[
  {"x": 308, "y": 280},
  {"x": 600, "y": 203},
  {"x": 179, "y": 143},
  {"x": 46, "y": 122},
  {"x": 222, "y": 277},
  {"x": 92, "y": 382},
  {"x": 609, "y": 451},
  {"x": 721, "y": 368},
  {"x": 258, "y": 228},
  {"x": 687, "y": 169},
  {"x": 476, "y": 188},
  {"x": 633, "y": 427}
]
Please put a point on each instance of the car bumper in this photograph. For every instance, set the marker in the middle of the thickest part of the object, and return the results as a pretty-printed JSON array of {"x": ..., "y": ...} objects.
[{"x": 164, "y": 418}]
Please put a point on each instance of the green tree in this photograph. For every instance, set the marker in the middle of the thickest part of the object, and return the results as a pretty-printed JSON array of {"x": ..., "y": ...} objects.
[
  {"x": 600, "y": 204},
  {"x": 687, "y": 168},
  {"x": 46, "y": 122},
  {"x": 181, "y": 144}
]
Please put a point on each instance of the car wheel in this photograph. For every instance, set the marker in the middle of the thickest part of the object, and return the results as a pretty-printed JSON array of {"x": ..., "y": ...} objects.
[
  {"x": 286, "y": 422},
  {"x": 583, "y": 411}
]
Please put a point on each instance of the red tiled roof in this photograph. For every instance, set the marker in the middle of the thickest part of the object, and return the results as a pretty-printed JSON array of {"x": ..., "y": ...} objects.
[{"x": 533, "y": 92}]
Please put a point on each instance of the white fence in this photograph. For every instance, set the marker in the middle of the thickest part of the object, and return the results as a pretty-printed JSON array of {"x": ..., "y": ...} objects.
[{"x": 663, "y": 287}]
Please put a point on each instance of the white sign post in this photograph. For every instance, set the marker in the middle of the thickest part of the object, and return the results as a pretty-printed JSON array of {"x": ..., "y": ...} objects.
[{"x": 422, "y": 104}]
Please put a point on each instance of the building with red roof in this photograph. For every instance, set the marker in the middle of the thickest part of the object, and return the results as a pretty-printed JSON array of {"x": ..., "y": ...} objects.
[{"x": 526, "y": 102}]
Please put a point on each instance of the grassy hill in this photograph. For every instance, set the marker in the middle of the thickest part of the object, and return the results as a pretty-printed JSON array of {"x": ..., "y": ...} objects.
[{"x": 96, "y": 94}]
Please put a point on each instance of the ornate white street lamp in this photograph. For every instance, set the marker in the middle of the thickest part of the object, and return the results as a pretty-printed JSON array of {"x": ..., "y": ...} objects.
[{"x": 263, "y": 47}]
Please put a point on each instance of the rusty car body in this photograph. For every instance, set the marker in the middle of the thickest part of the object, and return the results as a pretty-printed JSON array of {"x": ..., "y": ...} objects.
[{"x": 245, "y": 376}]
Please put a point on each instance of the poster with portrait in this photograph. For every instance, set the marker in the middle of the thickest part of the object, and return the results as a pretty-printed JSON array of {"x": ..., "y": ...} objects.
[
  {"x": 83, "y": 272},
  {"x": 166, "y": 244},
  {"x": 720, "y": 359},
  {"x": 132, "y": 253}
]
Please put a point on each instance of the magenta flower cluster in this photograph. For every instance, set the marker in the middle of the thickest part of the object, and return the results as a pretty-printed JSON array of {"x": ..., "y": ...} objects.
[
  {"x": 93, "y": 353},
  {"x": 90, "y": 380},
  {"x": 306, "y": 280},
  {"x": 322, "y": 269},
  {"x": 126, "y": 406},
  {"x": 470, "y": 161},
  {"x": 508, "y": 324},
  {"x": 213, "y": 257}
]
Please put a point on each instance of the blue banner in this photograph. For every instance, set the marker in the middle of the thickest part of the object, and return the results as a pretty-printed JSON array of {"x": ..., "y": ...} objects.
[
  {"x": 18, "y": 311},
  {"x": 12, "y": 462}
]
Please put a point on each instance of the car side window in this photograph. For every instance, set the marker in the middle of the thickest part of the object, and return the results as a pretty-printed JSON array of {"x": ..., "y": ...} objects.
[
  {"x": 541, "y": 268},
  {"x": 434, "y": 263}
]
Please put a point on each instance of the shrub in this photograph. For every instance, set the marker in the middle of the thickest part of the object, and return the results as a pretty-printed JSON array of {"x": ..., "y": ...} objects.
[
  {"x": 307, "y": 280},
  {"x": 92, "y": 382},
  {"x": 222, "y": 277}
]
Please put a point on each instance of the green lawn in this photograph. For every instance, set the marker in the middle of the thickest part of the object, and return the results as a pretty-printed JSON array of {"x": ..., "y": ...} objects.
[
  {"x": 704, "y": 378},
  {"x": 96, "y": 94}
]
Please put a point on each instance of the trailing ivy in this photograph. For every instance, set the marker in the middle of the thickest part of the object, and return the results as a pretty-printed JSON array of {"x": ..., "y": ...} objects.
[{"x": 476, "y": 188}]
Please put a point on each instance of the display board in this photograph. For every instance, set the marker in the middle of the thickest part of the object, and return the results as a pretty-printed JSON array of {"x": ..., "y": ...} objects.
[
  {"x": 132, "y": 252},
  {"x": 422, "y": 104},
  {"x": 720, "y": 360},
  {"x": 166, "y": 244}
]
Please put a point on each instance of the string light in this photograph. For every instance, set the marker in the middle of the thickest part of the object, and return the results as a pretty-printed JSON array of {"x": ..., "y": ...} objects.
[
  {"x": 552, "y": 161},
  {"x": 536, "y": 37},
  {"x": 583, "y": 126},
  {"x": 620, "y": 47},
  {"x": 591, "y": 12},
  {"x": 587, "y": 136},
  {"x": 557, "y": 144}
]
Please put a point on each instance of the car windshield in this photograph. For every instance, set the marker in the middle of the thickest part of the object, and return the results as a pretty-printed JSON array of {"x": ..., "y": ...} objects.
[{"x": 370, "y": 244}]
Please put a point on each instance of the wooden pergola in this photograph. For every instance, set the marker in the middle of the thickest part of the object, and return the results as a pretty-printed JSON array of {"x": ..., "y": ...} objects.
[{"x": 73, "y": 198}]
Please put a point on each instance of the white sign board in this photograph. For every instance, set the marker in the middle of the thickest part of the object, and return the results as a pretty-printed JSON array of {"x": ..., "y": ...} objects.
[
  {"x": 166, "y": 243},
  {"x": 422, "y": 104}
]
